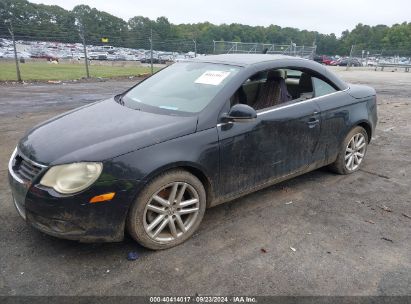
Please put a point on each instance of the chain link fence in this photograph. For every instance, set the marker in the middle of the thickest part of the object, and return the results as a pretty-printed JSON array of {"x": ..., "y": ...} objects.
[
  {"x": 105, "y": 57},
  {"x": 142, "y": 54},
  {"x": 95, "y": 57},
  {"x": 231, "y": 47},
  {"x": 379, "y": 58}
]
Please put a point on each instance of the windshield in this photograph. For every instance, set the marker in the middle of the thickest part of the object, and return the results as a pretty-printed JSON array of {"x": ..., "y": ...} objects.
[{"x": 183, "y": 86}]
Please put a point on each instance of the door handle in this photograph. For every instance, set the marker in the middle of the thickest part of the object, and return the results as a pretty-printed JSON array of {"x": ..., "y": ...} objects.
[{"x": 312, "y": 122}]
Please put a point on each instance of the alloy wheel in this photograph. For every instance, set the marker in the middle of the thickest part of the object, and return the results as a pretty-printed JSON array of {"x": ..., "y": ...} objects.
[
  {"x": 355, "y": 151},
  {"x": 171, "y": 212}
]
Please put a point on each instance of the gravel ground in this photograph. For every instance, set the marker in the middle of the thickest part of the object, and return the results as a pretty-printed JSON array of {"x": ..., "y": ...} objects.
[{"x": 345, "y": 242}]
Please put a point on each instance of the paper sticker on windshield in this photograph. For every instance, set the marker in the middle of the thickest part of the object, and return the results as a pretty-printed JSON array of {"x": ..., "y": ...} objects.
[{"x": 212, "y": 77}]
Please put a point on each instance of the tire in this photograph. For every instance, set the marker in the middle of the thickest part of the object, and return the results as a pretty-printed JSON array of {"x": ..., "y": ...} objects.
[
  {"x": 356, "y": 141},
  {"x": 155, "y": 223}
]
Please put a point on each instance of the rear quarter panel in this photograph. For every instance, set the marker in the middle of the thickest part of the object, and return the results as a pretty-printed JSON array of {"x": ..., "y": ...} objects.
[{"x": 340, "y": 112}]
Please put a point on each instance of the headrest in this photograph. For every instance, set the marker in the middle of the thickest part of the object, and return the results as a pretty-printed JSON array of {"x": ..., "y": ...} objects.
[
  {"x": 305, "y": 83},
  {"x": 275, "y": 74}
]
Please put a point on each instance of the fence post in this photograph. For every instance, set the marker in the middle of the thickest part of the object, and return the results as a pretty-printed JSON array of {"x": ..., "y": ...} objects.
[
  {"x": 15, "y": 52},
  {"x": 362, "y": 57},
  {"x": 151, "y": 51},
  {"x": 349, "y": 58},
  {"x": 83, "y": 39}
]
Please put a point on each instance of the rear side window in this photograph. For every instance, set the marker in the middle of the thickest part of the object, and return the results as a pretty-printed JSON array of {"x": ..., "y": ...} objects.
[{"x": 322, "y": 88}]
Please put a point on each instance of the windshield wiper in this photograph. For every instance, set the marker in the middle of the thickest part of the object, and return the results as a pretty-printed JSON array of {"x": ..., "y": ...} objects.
[{"x": 119, "y": 99}]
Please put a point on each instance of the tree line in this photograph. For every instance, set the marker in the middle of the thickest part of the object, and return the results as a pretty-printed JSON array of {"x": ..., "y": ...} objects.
[{"x": 52, "y": 23}]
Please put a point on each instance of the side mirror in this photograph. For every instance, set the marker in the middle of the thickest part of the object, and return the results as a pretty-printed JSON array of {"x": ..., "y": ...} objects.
[{"x": 240, "y": 113}]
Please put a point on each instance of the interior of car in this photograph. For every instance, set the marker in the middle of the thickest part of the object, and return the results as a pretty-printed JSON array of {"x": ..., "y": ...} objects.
[{"x": 274, "y": 87}]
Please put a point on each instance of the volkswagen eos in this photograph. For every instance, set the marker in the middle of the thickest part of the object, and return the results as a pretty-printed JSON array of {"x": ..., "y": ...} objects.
[{"x": 196, "y": 134}]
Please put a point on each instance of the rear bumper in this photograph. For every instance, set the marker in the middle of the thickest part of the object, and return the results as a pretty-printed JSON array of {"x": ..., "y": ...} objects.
[{"x": 73, "y": 217}]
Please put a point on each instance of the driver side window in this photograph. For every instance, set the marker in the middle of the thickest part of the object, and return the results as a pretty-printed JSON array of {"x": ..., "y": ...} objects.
[
  {"x": 263, "y": 90},
  {"x": 274, "y": 87}
]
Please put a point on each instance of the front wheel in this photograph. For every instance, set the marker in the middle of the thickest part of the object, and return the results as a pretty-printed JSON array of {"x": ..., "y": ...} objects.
[
  {"x": 352, "y": 152},
  {"x": 168, "y": 211}
]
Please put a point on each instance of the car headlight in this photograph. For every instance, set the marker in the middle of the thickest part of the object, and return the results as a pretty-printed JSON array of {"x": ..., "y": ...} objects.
[{"x": 72, "y": 178}]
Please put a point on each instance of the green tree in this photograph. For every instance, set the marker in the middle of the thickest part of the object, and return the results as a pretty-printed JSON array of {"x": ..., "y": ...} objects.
[
  {"x": 97, "y": 24},
  {"x": 50, "y": 22}
]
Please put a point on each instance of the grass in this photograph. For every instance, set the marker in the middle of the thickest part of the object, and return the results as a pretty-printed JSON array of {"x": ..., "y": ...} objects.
[{"x": 46, "y": 71}]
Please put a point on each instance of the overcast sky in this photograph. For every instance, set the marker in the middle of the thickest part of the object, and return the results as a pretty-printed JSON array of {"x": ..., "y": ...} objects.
[{"x": 323, "y": 16}]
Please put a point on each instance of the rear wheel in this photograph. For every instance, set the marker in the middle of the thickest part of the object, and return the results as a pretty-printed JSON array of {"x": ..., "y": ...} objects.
[
  {"x": 352, "y": 152},
  {"x": 168, "y": 211}
]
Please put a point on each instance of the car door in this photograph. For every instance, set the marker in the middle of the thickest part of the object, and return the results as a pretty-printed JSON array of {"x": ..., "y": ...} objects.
[{"x": 279, "y": 142}]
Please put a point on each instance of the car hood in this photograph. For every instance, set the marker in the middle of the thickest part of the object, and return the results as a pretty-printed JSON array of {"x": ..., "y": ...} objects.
[{"x": 100, "y": 131}]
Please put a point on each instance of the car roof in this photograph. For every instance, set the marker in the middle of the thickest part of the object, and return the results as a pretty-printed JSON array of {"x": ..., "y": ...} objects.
[
  {"x": 252, "y": 60},
  {"x": 243, "y": 59}
]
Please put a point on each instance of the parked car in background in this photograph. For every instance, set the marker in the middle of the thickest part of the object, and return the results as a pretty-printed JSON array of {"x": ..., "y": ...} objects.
[
  {"x": 323, "y": 59},
  {"x": 327, "y": 60},
  {"x": 44, "y": 55},
  {"x": 370, "y": 62},
  {"x": 347, "y": 61},
  {"x": 10, "y": 54},
  {"x": 156, "y": 59},
  {"x": 196, "y": 134}
]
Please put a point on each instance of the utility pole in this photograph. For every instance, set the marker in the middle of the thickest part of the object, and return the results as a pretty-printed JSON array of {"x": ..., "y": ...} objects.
[
  {"x": 195, "y": 48},
  {"x": 83, "y": 39},
  {"x": 151, "y": 51},
  {"x": 15, "y": 52}
]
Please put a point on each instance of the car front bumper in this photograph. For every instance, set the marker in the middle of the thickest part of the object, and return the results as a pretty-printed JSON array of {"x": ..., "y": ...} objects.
[{"x": 74, "y": 217}]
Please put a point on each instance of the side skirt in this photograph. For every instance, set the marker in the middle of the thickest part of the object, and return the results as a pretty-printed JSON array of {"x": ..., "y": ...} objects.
[{"x": 270, "y": 182}]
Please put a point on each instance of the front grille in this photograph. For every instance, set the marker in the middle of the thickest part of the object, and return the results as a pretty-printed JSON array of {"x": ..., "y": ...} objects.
[{"x": 25, "y": 169}]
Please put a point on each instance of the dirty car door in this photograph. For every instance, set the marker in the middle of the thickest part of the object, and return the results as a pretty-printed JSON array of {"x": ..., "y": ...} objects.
[{"x": 280, "y": 141}]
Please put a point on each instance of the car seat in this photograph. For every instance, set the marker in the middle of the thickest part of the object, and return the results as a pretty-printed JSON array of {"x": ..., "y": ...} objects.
[
  {"x": 305, "y": 86},
  {"x": 273, "y": 91}
]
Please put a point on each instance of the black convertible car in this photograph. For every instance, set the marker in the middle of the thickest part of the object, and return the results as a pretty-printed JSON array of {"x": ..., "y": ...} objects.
[{"x": 195, "y": 134}]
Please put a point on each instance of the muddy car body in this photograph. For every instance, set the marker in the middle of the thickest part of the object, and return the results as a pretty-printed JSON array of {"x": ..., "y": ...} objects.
[{"x": 196, "y": 134}]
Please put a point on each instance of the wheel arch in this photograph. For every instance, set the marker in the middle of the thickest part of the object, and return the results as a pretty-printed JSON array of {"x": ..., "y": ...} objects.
[
  {"x": 366, "y": 126},
  {"x": 190, "y": 167}
]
